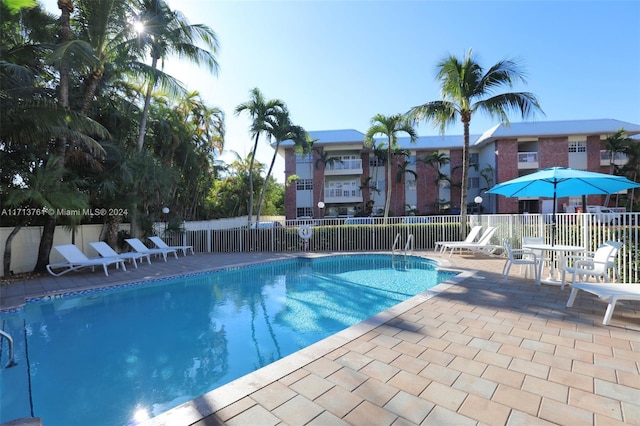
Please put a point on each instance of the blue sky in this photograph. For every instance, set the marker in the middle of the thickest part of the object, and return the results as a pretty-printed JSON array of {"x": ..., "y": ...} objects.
[{"x": 338, "y": 63}]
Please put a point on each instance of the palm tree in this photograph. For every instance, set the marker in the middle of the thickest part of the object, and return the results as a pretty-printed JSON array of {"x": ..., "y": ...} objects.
[
  {"x": 436, "y": 160},
  {"x": 43, "y": 188},
  {"x": 105, "y": 43},
  {"x": 167, "y": 32},
  {"x": 389, "y": 127},
  {"x": 260, "y": 111},
  {"x": 324, "y": 158},
  {"x": 615, "y": 144},
  {"x": 630, "y": 169},
  {"x": 466, "y": 89},
  {"x": 280, "y": 128}
]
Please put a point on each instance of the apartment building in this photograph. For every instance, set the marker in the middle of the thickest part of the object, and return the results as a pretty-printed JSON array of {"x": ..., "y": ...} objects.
[{"x": 343, "y": 178}]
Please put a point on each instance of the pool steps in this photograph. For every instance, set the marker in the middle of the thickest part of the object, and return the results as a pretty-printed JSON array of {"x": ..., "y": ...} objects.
[
  {"x": 12, "y": 361},
  {"x": 408, "y": 247}
]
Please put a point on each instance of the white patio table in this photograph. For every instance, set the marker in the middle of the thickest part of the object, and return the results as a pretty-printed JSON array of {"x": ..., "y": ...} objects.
[{"x": 561, "y": 250}]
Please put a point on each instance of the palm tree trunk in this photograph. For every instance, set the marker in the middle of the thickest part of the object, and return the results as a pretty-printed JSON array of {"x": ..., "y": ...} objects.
[
  {"x": 6, "y": 258},
  {"x": 253, "y": 157},
  {"x": 133, "y": 228},
  {"x": 145, "y": 109},
  {"x": 46, "y": 242},
  {"x": 266, "y": 180},
  {"x": 388, "y": 197},
  {"x": 113, "y": 223},
  {"x": 464, "y": 183},
  {"x": 91, "y": 91}
]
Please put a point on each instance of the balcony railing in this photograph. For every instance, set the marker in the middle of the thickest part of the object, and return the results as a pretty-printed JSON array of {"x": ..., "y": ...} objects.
[
  {"x": 620, "y": 159},
  {"x": 353, "y": 166},
  {"x": 335, "y": 195},
  {"x": 527, "y": 160}
]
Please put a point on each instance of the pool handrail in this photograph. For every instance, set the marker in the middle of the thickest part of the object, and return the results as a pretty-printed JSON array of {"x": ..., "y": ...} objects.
[{"x": 12, "y": 360}]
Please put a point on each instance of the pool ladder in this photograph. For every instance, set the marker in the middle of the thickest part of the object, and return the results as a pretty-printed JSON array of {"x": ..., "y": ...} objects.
[
  {"x": 408, "y": 247},
  {"x": 12, "y": 361}
]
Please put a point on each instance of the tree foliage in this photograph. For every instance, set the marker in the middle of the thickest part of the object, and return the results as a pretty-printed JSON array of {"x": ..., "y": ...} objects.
[
  {"x": 466, "y": 88},
  {"x": 84, "y": 88}
]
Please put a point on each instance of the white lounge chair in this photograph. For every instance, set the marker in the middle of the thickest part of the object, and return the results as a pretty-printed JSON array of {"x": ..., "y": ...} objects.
[
  {"x": 482, "y": 245},
  {"x": 139, "y": 247},
  {"x": 76, "y": 260},
  {"x": 471, "y": 236},
  {"x": 105, "y": 250},
  {"x": 596, "y": 266},
  {"x": 611, "y": 293},
  {"x": 519, "y": 257},
  {"x": 161, "y": 244}
]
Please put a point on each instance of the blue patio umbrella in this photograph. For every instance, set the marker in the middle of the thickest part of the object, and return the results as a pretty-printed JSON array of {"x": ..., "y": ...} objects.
[{"x": 555, "y": 182}]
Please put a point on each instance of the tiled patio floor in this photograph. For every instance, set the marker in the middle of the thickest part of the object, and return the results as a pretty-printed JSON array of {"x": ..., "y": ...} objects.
[{"x": 482, "y": 351}]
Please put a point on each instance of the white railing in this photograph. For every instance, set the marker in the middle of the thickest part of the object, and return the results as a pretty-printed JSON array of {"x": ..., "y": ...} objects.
[
  {"x": 342, "y": 193},
  {"x": 527, "y": 160},
  {"x": 348, "y": 164},
  {"x": 365, "y": 234},
  {"x": 619, "y": 158}
]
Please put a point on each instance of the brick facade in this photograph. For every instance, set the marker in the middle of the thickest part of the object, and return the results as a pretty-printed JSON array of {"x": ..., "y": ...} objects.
[
  {"x": 428, "y": 191},
  {"x": 398, "y": 193},
  {"x": 318, "y": 182},
  {"x": 506, "y": 152},
  {"x": 504, "y": 146},
  {"x": 366, "y": 192},
  {"x": 456, "y": 176},
  {"x": 290, "y": 190}
]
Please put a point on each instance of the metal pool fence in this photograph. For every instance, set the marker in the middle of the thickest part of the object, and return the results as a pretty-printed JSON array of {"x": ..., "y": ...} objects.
[
  {"x": 376, "y": 234},
  {"x": 274, "y": 234}
]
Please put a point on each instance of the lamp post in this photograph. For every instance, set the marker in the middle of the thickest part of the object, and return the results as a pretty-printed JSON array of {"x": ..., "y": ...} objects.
[
  {"x": 478, "y": 201},
  {"x": 321, "y": 207},
  {"x": 165, "y": 211}
]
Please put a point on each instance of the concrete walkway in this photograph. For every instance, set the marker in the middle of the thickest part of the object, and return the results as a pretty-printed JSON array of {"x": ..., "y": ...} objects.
[{"x": 481, "y": 351}]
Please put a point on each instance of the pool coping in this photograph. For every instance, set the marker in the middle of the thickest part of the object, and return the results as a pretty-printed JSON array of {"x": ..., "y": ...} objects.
[{"x": 207, "y": 404}]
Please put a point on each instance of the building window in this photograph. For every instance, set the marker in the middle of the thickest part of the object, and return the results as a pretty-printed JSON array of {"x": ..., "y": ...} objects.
[
  {"x": 412, "y": 160},
  {"x": 578, "y": 146},
  {"x": 300, "y": 158},
  {"x": 304, "y": 212},
  {"x": 304, "y": 185},
  {"x": 474, "y": 182},
  {"x": 376, "y": 162},
  {"x": 379, "y": 185},
  {"x": 474, "y": 158},
  {"x": 411, "y": 185}
]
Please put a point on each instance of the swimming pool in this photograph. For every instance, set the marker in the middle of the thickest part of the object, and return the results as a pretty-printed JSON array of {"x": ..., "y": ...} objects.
[{"x": 100, "y": 357}]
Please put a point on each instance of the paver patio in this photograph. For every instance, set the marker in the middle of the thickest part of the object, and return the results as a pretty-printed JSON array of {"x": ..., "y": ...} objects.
[{"x": 481, "y": 351}]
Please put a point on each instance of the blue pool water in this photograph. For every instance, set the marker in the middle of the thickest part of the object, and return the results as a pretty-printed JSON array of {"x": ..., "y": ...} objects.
[{"x": 101, "y": 357}]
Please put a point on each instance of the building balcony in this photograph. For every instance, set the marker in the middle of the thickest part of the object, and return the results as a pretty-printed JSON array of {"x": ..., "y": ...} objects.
[
  {"x": 336, "y": 196},
  {"x": 346, "y": 167},
  {"x": 527, "y": 160},
  {"x": 620, "y": 159}
]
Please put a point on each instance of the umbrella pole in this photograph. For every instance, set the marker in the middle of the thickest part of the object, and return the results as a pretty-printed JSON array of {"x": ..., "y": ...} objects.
[
  {"x": 553, "y": 228},
  {"x": 553, "y": 218}
]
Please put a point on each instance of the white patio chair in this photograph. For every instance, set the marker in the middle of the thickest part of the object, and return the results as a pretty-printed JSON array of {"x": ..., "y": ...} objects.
[
  {"x": 482, "y": 245},
  {"x": 471, "y": 236},
  {"x": 519, "y": 257},
  {"x": 161, "y": 244},
  {"x": 610, "y": 293},
  {"x": 139, "y": 247},
  {"x": 597, "y": 265},
  {"x": 105, "y": 250},
  {"x": 76, "y": 260},
  {"x": 539, "y": 253}
]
